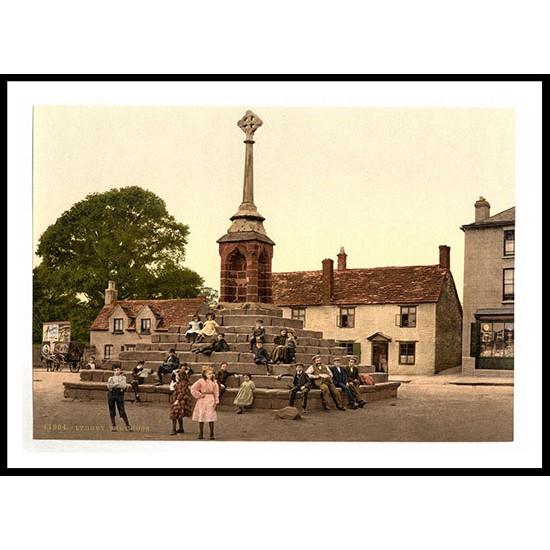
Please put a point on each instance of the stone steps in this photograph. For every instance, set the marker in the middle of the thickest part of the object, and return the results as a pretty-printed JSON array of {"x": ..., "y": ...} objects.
[
  {"x": 261, "y": 379},
  {"x": 264, "y": 398},
  {"x": 237, "y": 324},
  {"x": 177, "y": 334}
]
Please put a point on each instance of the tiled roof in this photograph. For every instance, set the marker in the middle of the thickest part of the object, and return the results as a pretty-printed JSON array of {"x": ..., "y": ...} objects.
[
  {"x": 380, "y": 285},
  {"x": 171, "y": 312}
]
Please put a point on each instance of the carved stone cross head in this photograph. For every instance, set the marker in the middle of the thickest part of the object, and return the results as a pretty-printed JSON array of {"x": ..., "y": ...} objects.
[{"x": 249, "y": 124}]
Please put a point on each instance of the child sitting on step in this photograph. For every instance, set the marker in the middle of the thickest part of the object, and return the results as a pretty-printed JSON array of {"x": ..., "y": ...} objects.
[
  {"x": 210, "y": 327},
  {"x": 257, "y": 334}
]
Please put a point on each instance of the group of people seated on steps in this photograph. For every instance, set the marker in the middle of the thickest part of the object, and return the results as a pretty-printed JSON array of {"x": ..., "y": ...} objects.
[{"x": 283, "y": 352}]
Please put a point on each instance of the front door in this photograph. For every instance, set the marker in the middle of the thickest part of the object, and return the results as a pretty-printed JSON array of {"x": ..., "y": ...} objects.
[{"x": 380, "y": 356}]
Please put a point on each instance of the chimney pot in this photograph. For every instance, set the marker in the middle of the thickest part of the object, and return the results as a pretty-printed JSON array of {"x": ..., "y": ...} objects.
[
  {"x": 483, "y": 209},
  {"x": 110, "y": 293},
  {"x": 342, "y": 259}
]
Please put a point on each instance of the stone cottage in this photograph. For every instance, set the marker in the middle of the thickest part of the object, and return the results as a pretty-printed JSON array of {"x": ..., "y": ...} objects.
[
  {"x": 402, "y": 320},
  {"x": 121, "y": 324}
]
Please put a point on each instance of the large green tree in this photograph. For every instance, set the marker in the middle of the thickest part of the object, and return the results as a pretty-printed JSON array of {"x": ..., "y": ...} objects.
[{"x": 125, "y": 235}]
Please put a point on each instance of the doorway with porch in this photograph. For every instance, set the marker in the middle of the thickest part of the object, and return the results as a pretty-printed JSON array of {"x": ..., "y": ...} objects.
[{"x": 380, "y": 356}]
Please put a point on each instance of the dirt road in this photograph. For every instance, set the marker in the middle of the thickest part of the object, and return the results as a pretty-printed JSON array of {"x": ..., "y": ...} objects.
[{"x": 424, "y": 410}]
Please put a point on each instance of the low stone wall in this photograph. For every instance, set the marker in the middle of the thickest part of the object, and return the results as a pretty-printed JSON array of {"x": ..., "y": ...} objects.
[{"x": 264, "y": 398}]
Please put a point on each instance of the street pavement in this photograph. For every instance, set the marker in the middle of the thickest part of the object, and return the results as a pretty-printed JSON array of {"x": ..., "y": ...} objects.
[{"x": 448, "y": 407}]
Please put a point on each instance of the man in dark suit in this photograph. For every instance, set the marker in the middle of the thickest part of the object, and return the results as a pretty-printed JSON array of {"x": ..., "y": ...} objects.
[
  {"x": 354, "y": 381},
  {"x": 340, "y": 379}
]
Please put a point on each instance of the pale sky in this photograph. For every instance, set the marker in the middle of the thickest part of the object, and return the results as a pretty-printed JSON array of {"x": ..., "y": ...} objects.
[{"x": 388, "y": 184}]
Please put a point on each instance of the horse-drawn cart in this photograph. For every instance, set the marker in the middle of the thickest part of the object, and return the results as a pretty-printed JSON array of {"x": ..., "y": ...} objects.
[{"x": 58, "y": 360}]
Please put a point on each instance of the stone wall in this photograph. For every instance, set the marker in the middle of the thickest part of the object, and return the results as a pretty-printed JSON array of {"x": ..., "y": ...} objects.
[
  {"x": 448, "y": 340},
  {"x": 380, "y": 318}
]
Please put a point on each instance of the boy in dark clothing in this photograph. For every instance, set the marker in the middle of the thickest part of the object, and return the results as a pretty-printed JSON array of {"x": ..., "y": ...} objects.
[
  {"x": 222, "y": 376},
  {"x": 115, "y": 396},
  {"x": 219, "y": 345},
  {"x": 257, "y": 334},
  {"x": 138, "y": 376},
  {"x": 301, "y": 382},
  {"x": 169, "y": 365},
  {"x": 262, "y": 357}
]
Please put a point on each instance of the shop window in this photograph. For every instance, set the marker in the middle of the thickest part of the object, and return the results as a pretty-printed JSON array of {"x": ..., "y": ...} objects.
[
  {"x": 346, "y": 317},
  {"x": 509, "y": 242},
  {"x": 508, "y": 284},
  {"x": 496, "y": 339},
  {"x": 298, "y": 313},
  {"x": 406, "y": 317},
  {"x": 407, "y": 352}
]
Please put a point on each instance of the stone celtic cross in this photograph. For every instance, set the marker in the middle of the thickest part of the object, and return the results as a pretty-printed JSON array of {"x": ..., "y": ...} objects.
[{"x": 249, "y": 124}]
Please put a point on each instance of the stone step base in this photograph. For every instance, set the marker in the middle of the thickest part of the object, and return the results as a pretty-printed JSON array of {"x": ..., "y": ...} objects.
[
  {"x": 237, "y": 342},
  {"x": 173, "y": 335},
  {"x": 263, "y": 398},
  {"x": 261, "y": 380},
  {"x": 218, "y": 357},
  {"x": 166, "y": 341}
]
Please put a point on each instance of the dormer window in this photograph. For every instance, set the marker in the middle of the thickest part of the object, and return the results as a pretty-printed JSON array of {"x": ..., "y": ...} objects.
[
  {"x": 146, "y": 326},
  {"x": 118, "y": 326}
]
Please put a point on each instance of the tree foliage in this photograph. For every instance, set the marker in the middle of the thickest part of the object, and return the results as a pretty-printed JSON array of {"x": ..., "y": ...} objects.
[{"x": 125, "y": 235}]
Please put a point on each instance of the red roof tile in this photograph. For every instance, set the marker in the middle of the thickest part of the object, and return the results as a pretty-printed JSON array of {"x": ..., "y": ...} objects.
[
  {"x": 170, "y": 312},
  {"x": 380, "y": 285}
]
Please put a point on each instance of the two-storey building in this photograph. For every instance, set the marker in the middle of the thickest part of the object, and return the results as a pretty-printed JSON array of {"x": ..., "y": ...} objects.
[
  {"x": 122, "y": 324},
  {"x": 402, "y": 320}
]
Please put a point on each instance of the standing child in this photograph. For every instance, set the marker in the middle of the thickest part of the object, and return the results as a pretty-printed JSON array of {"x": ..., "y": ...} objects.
[
  {"x": 207, "y": 393},
  {"x": 195, "y": 325},
  {"x": 181, "y": 402},
  {"x": 115, "y": 396},
  {"x": 245, "y": 395},
  {"x": 91, "y": 363},
  {"x": 257, "y": 334},
  {"x": 210, "y": 327}
]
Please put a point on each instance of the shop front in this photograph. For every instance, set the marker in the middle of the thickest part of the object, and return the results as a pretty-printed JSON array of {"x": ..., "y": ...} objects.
[{"x": 492, "y": 339}]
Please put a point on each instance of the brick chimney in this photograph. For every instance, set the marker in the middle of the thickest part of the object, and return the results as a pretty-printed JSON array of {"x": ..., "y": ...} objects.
[
  {"x": 110, "y": 293},
  {"x": 445, "y": 256},
  {"x": 342, "y": 259},
  {"x": 483, "y": 209},
  {"x": 328, "y": 280}
]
